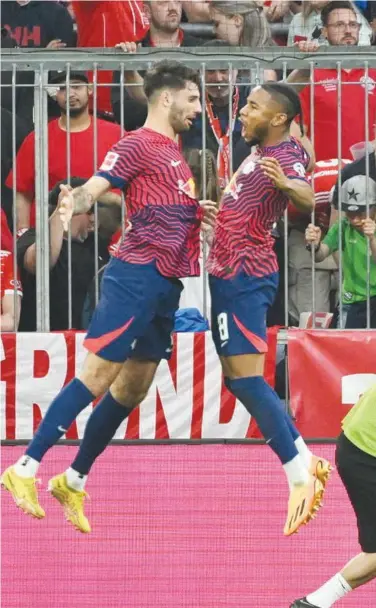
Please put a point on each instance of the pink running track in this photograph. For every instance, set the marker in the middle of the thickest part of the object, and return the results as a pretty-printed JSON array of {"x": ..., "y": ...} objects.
[{"x": 181, "y": 526}]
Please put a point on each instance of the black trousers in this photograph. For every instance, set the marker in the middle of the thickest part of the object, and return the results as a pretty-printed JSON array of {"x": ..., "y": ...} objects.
[{"x": 357, "y": 470}]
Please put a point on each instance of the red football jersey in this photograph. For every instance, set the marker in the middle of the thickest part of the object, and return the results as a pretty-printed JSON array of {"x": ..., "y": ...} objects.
[
  {"x": 105, "y": 24},
  {"x": 161, "y": 204},
  {"x": 8, "y": 281},
  {"x": 249, "y": 208}
]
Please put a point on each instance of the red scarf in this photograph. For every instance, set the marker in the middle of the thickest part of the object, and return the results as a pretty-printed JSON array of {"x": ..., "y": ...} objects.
[{"x": 223, "y": 139}]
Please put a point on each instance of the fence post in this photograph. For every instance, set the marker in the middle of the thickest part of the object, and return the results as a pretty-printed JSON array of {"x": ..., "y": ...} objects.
[{"x": 41, "y": 201}]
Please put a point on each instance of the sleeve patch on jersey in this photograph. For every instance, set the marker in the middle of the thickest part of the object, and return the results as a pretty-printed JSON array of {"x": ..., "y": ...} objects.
[
  {"x": 109, "y": 162},
  {"x": 299, "y": 169},
  {"x": 249, "y": 167}
]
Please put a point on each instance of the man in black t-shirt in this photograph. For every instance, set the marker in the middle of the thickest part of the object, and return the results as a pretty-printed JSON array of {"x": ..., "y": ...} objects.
[{"x": 83, "y": 261}]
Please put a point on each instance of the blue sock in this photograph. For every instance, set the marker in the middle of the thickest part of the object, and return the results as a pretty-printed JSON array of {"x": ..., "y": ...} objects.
[
  {"x": 264, "y": 405},
  {"x": 62, "y": 412},
  {"x": 293, "y": 430},
  {"x": 100, "y": 429}
]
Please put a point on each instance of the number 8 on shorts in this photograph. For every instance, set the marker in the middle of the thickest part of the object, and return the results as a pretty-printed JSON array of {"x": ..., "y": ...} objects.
[{"x": 222, "y": 322}]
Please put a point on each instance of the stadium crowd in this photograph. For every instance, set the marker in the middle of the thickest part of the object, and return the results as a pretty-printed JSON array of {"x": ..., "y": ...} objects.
[{"x": 168, "y": 24}]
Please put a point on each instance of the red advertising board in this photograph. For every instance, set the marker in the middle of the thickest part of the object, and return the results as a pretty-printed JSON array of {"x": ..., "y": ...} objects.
[
  {"x": 187, "y": 399},
  {"x": 328, "y": 371}
]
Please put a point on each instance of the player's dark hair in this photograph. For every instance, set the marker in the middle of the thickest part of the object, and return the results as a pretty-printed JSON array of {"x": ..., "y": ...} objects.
[
  {"x": 332, "y": 6},
  {"x": 288, "y": 99},
  {"x": 169, "y": 75}
]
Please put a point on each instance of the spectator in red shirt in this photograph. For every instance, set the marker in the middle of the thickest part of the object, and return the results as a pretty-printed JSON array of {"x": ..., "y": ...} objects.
[
  {"x": 82, "y": 153},
  {"x": 165, "y": 31},
  {"x": 6, "y": 238},
  {"x": 6, "y": 159},
  {"x": 10, "y": 305},
  {"x": 106, "y": 23},
  {"x": 341, "y": 28}
]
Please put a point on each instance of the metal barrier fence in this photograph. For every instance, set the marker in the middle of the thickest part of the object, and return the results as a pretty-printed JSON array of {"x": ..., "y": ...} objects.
[{"x": 245, "y": 69}]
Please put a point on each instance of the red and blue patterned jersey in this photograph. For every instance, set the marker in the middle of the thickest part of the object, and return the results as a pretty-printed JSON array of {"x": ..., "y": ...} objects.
[
  {"x": 160, "y": 200},
  {"x": 250, "y": 206}
]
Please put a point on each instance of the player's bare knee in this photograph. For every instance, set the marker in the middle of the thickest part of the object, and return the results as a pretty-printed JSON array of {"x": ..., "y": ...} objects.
[
  {"x": 133, "y": 381},
  {"x": 137, "y": 396},
  {"x": 98, "y": 374},
  {"x": 128, "y": 396}
]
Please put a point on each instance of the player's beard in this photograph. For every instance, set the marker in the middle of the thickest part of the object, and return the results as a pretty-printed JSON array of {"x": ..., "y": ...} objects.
[
  {"x": 177, "y": 120},
  {"x": 257, "y": 137},
  {"x": 75, "y": 112}
]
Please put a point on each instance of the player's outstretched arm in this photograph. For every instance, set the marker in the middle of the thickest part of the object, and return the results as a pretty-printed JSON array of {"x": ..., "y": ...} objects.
[
  {"x": 298, "y": 191},
  {"x": 80, "y": 200}
]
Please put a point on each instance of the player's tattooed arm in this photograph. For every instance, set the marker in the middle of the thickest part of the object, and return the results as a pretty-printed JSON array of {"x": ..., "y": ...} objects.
[
  {"x": 80, "y": 200},
  {"x": 298, "y": 191},
  {"x": 83, "y": 200}
]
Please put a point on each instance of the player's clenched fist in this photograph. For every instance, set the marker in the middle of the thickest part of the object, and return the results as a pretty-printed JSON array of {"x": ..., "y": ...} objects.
[
  {"x": 273, "y": 170},
  {"x": 313, "y": 235},
  {"x": 369, "y": 228}
]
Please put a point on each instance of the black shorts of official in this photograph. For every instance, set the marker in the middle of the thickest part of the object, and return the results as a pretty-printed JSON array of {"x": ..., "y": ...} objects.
[{"x": 357, "y": 470}]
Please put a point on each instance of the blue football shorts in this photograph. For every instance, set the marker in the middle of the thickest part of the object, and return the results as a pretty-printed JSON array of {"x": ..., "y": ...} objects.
[
  {"x": 135, "y": 315},
  {"x": 239, "y": 308}
]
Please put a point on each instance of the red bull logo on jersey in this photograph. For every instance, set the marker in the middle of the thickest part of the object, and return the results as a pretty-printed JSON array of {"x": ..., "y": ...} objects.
[
  {"x": 188, "y": 188},
  {"x": 233, "y": 188}
]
